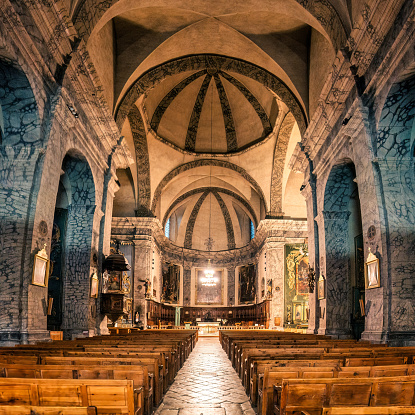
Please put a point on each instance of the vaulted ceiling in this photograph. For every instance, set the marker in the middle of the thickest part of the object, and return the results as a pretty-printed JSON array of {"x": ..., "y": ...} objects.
[{"x": 211, "y": 99}]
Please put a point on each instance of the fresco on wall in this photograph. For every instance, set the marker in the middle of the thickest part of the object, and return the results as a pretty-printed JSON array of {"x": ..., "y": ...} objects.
[
  {"x": 171, "y": 283},
  {"x": 212, "y": 295},
  {"x": 247, "y": 277},
  {"x": 296, "y": 285}
]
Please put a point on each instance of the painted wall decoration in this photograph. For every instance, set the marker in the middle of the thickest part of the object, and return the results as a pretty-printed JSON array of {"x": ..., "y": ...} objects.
[
  {"x": 296, "y": 284},
  {"x": 209, "y": 295},
  {"x": 171, "y": 283},
  {"x": 247, "y": 277}
]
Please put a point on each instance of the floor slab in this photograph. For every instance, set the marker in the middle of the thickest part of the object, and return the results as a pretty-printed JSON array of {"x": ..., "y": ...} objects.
[{"x": 207, "y": 384}]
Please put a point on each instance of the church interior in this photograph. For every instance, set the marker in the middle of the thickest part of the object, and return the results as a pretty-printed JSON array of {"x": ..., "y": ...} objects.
[{"x": 230, "y": 177}]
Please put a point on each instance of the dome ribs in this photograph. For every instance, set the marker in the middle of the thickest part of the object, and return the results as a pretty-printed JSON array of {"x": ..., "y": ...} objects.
[
  {"x": 231, "y": 142},
  {"x": 167, "y": 100},
  {"x": 190, "y": 144},
  {"x": 259, "y": 109}
]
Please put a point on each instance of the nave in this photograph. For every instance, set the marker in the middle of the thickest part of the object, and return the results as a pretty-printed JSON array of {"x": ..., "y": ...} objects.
[{"x": 206, "y": 384}]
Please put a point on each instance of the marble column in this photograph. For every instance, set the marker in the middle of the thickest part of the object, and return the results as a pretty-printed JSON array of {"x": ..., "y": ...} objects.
[
  {"x": 143, "y": 253},
  {"x": 275, "y": 272}
]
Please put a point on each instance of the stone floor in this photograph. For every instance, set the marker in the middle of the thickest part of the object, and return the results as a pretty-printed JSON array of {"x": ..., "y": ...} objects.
[{"x": 207, "y": 384}]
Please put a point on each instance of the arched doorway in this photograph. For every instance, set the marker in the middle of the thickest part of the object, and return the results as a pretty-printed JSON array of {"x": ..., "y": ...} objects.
[
  {"x": 344, "y": 297},
  {"x": 71, "y": 248}
]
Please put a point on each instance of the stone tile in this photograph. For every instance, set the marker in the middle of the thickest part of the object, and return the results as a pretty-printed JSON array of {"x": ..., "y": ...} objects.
[{"x": 206, "y": 384}]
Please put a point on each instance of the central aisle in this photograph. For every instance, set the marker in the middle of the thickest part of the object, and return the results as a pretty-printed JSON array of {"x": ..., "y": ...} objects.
[{"x": 206, "y": 384}]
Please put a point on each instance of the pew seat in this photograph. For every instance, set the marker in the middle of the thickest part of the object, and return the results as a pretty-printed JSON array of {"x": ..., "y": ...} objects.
[
  {"x": 311, "y": 395},
  {"x": 45, "y": 410},
  {"x": 108, "y": 396},
  {"x": 367, "y": 410}
]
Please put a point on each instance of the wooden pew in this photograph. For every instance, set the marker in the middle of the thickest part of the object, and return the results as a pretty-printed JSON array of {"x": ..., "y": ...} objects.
[
  {"x": 311, "y": 395},
  {"x": 274, "y": 376},
  {"x": 45, "y": 410},
  {"x": 367, "y": 410},
  {"x": 151, "y": 364},
  {"x": 258, "y": 368},
  {"x": 138, "y": 374},
  {"x": 108, "y": 396}
]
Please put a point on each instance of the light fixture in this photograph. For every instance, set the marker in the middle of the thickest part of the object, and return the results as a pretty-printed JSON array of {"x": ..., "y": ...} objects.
[{"x": 209, "y": 279}]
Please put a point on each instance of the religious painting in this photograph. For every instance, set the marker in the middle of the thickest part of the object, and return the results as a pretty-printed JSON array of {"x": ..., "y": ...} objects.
[
  {"x": 372, "y": 271},
  {"x": 296, "y": 288},
  {"x": 247, "y": 278},
  {"x": 209, "y": 293},
  {"x": 40, "y": 269},
  {"x": 302, "y": 276},
  {"x": 298, "y": 308},
  {"x": 126, "y": 283},
  {"x": 171, "y": 283},
  {"x": 114, "y": 281}
]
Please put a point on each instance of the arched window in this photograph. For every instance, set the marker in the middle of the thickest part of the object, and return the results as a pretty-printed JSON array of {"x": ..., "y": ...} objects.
[
  {"x": 252, "y": 229},
  {"x": 167, "y": 228}
]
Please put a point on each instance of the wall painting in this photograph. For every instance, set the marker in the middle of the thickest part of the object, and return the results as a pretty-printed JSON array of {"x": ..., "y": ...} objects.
[
  {"x": 171, "y": 283},
  {"x": 209, "y": 295},
  {"x": 296, "y": 284},
  {"x": 247, "y": 278}
]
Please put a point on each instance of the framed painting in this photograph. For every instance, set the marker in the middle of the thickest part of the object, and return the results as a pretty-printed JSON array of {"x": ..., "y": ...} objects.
[
  {"x": 94, "y": 285},
  {"x": 298, "y": 310},
  {"x": 372, "y": 272},
  {"x": 302, "y": 277},
  {"x": 321, "y": 288},
  {"x": 40, "y": 273},
  {"x": 114, "y": 281},
  {"x": 209, "y": 294},
  {"x": 247, "y": 286}
]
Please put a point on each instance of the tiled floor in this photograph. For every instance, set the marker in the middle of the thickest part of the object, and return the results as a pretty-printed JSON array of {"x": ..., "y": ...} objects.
[{"x": 207, "y": 384}]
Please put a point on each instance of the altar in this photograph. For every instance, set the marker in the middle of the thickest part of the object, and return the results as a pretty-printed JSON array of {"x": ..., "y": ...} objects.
[{"x": 208, "y": 328}]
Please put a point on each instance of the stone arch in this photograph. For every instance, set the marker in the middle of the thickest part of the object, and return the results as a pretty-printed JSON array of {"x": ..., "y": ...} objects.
[
  {"x": 202, "y": 62},
  {"x": 216, "y": 189},
  {"x": 205, "y": 162},
  {"x": 280, "y": 154},
  {"x": 21, "y": 124},
  {"x": 142, "y": 162}
]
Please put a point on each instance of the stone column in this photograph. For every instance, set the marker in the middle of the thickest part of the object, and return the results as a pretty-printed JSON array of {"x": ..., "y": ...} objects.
[
  {"x": 104, "y": 245},
  {"x": 307, "y": 192},
  {"x": 335, "y": 307},
  {"x": 77, "y": 270},
  {"x": 398, "y": 265},
  {"x": 142, "y": 272},
  {"x": 231, "y": 287},
  {"x": 17, "y": 201},
  {"x": 187, "y": 289}
]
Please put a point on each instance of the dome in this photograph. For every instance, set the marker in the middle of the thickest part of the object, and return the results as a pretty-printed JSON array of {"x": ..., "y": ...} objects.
[{"x": 210, "y": 111}]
